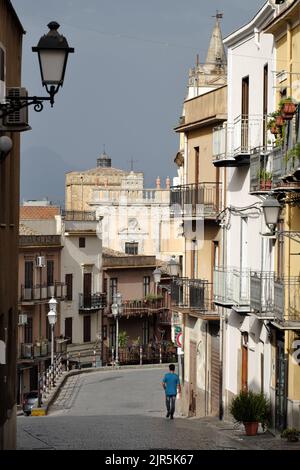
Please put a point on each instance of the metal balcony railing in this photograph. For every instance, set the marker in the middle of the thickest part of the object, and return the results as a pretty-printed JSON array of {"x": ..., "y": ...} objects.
[
  {"x": 193, "y": 294},
  {"x": 142, "y": 306},
  {"x": 262, "y": 293},
  {"x": 249, "y": 132},
  {"x": 202, "y": 199},
  {"x": 79, "y": 215},
  {"x": 261, "y": 170},
  {"x": 232, "y": 287},
  {"x": 92, "y": 301},
  {"x": 41, "y": 292},
  {"x": 287, "y": 300},
  {"x": 32, "y": 351}
]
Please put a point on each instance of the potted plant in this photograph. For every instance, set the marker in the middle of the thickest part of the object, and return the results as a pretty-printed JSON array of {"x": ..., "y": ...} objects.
[
  {"x": 272, "y": 125},
  {"x": 265, "y": 178},
  {"x": 291, "y": 434},
  {"x": 294, "y": 154},
  {"x": 251, "y": 409},
  {"x": 287, "y": 108}
]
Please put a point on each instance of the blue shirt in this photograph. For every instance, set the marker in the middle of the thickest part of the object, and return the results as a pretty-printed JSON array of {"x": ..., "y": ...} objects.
[{"x": 171, "y": 380}]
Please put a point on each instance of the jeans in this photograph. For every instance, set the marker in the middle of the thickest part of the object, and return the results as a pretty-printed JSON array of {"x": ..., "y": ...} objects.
[{"x": 170, "y": 404}]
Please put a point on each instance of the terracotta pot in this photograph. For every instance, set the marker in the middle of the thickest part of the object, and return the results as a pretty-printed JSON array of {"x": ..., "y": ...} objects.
[
  {"x": 288, "y": 110},
  {"x": 251, "y": 428},
  {"x": 279, "y": 121},
  {"x": 274, "y": 130},
  {"x": 266, "y": 185}
]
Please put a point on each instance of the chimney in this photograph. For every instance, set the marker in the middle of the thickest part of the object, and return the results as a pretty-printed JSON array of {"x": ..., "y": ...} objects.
[
  {"x": 158, "y": 182},
  {"x": 168, "y": 182}
]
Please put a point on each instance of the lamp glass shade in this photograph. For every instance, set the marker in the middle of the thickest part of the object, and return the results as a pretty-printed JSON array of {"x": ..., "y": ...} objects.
[
  {"x": 115, "y": 310},
  {"x": 271, "y": 208},
  {"x": 119, "y": 299},
  {"x": 173, "y": 267},
  {"x": 53, "y": 304},
  {"x": 157, "y": 275},
  {"x": 53, "y": 66},
  {"x": 52, "y": 317}
]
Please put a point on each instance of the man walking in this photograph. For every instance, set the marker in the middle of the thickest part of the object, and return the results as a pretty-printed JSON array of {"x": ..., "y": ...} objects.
[{"x": 171, "y": 385}]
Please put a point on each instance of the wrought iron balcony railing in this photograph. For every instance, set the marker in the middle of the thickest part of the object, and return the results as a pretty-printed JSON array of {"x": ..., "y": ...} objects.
[
  {"x": 143, "y": 306},
  {"x": 43, "y": 292},
  {"x": 287, "y": 300},
  {"x": 79, "y": 215},
  {"x": 233, "y": 142},
  {"x": 192, "y": 294},
  {"x": 202, "y": 199},
  {"x": 262, "y": 293},
  {"x": 92, "y": 301},
  {"x": 232, "y": 288},
  {"x": 32, "y": 351}
]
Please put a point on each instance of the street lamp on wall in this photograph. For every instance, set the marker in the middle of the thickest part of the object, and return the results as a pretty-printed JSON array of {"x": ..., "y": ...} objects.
[
  {"x": 53, "y": 52},
  {"x": 52, "y": 318},
  {"x": 271, "y": 209},
  {"x": 157, "y": 278},
  {"x": 173, "y": 267}
]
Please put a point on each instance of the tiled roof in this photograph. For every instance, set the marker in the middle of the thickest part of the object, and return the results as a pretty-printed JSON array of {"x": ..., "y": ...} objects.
[
  {"x": 24, "y": 230},
  {"x": 38, "y": 212}
]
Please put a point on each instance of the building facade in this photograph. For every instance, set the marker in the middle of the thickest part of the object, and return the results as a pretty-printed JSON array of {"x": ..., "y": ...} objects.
[
  {"x": 196, "y": 202},
  {"x": 11, "y": 34}
]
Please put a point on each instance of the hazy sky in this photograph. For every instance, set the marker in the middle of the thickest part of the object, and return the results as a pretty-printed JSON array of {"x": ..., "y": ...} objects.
[{"x": 124, "y": 85}]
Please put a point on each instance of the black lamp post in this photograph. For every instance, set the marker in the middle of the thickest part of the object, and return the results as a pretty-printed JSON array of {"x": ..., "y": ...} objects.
[{"x": 53, "y": 52}]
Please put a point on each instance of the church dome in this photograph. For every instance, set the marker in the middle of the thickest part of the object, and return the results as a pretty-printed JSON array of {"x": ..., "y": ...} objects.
[{"x": 104, "y": 161}]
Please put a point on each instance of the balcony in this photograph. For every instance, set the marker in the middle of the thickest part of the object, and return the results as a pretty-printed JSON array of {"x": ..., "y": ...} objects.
[
  {"x": 232, "y": 288},
  {"x": 233, "y": 142},
  {"x": 40, "y": 240},
  {"x": 287, "y": 302},
  {"x": 80, "y": 221},
  {"x": 142, "y": 307},
  {"x": 261, "y": 170},
  {"x": 196, "y": 200},
  {"x": 34, "y": 351},
  {"x": 262, "y": 294},
  {"x": 42, "y": 292},
  {"x": 193, "y": 296},
  {"x": 92, "y": 302}
]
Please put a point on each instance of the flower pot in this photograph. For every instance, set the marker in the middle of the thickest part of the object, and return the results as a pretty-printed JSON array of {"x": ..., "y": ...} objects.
[
  {"x": 266, "y": 185},
  {"x": 288, "y": 110},
  {"x": 274, "y": 130},
  {"x": 279, "y": 121},
  {"x": 251, "y": 428}
]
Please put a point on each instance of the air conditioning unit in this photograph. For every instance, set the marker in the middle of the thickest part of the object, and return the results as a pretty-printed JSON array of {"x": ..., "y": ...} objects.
[
  {"x": 23, "y": 319},
  {"x": 40, "y": 262},
  {"x": 18, "y": 118}
]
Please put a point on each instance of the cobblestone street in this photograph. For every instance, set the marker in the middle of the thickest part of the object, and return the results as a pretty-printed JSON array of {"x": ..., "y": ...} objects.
[{"x": 124, "y": 409}]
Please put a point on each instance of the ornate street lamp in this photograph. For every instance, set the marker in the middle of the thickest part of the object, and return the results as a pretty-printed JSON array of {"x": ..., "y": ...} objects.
[
  {"x": 52, "y": 317},
  {"x": 157, "y": 278},
  {"x": 53, "y": 52},
  {"x": 117, "y": 310},
  {"x": 271, "y": 209},
  {"x": 173, "y": 267}
]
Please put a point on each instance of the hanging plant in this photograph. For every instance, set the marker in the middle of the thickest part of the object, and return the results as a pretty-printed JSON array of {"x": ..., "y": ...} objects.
[{"x": 287, "y": 108}]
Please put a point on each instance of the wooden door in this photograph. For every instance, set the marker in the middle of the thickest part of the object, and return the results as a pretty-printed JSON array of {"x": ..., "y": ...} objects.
[
  {"x": 69, "y": 329},
  {"x": 244, "y": 362},
  {"x": 87, "y": 329},
  {"x": 281, "y": 387},
  {"x": 87, "y": 290},
  {"x": 215, "y": 368},
  {"x": 193, "y": 379}
]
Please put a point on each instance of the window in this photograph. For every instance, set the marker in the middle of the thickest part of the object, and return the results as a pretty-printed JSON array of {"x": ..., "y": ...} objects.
[
  {"x": 131, "y": 248},
  {"x": 50, "y": 273},
  {"x": 69, "y": 284},
  {"x": 113, "y": 288},
  {"x": 28, "y": 331},
  {"x": 81, "y": 242},
  {"x": 28, "y": 274},
  {"x": 146, "y": 285}
]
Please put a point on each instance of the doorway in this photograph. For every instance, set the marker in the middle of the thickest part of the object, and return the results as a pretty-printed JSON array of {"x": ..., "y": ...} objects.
[
  {"x": 281, "y": 387},
  {"x": 87, "y": 329},
  {"x": 193, "y": 379},
  {"x": 69, "y": 329}
]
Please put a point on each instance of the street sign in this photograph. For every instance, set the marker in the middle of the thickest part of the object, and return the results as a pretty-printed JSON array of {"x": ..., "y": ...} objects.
[{"x": 178, "y": 336}]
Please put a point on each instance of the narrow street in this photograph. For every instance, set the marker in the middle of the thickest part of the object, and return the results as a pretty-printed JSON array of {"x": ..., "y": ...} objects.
[{"x": 125, "y": 410}]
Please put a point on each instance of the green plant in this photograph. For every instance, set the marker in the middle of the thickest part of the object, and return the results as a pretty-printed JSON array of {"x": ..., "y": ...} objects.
[
  {"x": 264, "y": 175},
  {"x": 153, "y": 297},
  {"x": 294, "y": 153},
  {"x": 137, "y": 342},
  {"x": 249, "y": 407},
  {"x": 123, "y": 339},
  {"x": 291, "y": 434}
]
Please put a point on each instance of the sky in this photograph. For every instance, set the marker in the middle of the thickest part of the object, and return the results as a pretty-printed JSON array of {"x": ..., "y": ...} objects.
[{"x": 124, "y": 86}]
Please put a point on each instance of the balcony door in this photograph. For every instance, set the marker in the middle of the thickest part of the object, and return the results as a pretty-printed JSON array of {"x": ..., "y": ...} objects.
[
  {"x": 245, "y": 115},
  {"x": 28, "y": 284},
  {"x": 87, "y": 329},
  {"x": 244, "y": 278},
  {"x": 281, "y": 387},
  {"x": 69, "y": 329},
  {"x": 87, "y": 290},
  {"x": 244, "y": 384},
  {"x": 193, "y": 379}
]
